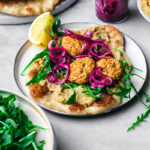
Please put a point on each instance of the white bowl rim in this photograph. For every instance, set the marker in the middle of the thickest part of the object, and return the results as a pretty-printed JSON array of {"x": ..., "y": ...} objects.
[{"x": 145, "y": 16}]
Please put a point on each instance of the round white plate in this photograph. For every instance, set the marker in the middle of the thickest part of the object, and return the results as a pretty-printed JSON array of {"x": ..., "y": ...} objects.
[
  {"x": 28, "y": 51},
  {"x": 37, "y": 116},
  {"x": 8, "y": 19},
  {"x": 141, "y": 11}
]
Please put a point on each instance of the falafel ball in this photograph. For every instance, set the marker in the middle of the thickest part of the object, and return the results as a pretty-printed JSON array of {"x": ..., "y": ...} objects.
[
  {"x": 81, "y": 69},
  {"x": 73, "y": 46},
  {"x": 110, "y": 67}
]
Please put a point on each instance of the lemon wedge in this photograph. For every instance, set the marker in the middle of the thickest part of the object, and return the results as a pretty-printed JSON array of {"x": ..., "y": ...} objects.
[{"x": 40, "y": 30}]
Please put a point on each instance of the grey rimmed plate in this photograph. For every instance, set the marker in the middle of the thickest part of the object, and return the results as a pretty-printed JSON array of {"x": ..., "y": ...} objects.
[
  {"x": 37, "y": 116},
  {"x": 28, "y": 51},
  {"x": 8, "y": 19}
]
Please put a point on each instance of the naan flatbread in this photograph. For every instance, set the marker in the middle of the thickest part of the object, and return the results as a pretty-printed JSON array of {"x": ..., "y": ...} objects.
[
  {"x": 53, "y": 96},
  {"x": 27, "y": 7}
]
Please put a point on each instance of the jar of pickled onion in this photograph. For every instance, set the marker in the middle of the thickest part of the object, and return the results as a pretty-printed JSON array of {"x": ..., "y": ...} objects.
[{"x": 112, "y": 10}]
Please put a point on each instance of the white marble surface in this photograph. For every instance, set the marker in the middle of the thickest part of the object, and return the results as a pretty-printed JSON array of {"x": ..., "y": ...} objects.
[{"x": 102, "y": 132}]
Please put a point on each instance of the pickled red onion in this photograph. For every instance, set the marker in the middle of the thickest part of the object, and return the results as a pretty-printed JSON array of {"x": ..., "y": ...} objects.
[
  {"x": 99, "y": 80},
  {"x": 53, "y": 77}
]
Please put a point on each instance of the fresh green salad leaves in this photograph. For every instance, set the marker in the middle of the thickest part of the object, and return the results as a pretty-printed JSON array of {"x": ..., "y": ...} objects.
[
  {"x": 94, "y": 93},
  {"x": 139, "y": 120},
  {"x": 43, "y": 71},
  {"x": 37, "y": 56},
  {"x": 72, "y": 98},
  {"x": 56, "y": 26},
  {"x": 118, "y": 53},
  {"x": 17, "y": 132},
  {"x": 126, "y": 88},
  {"x": 47, "y": 64}
]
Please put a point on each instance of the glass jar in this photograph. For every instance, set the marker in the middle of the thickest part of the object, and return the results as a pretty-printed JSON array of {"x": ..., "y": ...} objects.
[{"x": 112, "y": 10}]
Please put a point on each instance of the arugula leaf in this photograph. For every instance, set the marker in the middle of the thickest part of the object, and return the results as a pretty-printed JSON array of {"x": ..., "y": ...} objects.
[
  {"x": 60, "y": 43},
  {"x": 124, "y": 91},
  {"x": 40, "y": 147},
  {"x": 91, "y": 91},
  {"x": 16, "y": 130},
  {"x": 118, "y": 53},
  {"x": 138, "y": 97},
  {"x": 52, "y": 32},
  {"x": 56, "y": 26},
  {"x": 147, "y": 97},
  {"x": 139, "y": 120},
  {"x": 126, "y": 65},
  {"x": 37, "y": 56},
  {"x": 72, "y": 98},
  {"x": 42, "y": 73},
  {"x": 73, "y": 85}
]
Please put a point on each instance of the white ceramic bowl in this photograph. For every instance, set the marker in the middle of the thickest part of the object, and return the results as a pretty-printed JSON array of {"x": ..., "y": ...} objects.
[
  {"x": 38, "y": 117},
  {"x": 142, "y": 12}
]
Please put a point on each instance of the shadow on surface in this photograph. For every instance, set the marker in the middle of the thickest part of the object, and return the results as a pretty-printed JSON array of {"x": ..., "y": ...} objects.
[{"x": 133, "y": 13}]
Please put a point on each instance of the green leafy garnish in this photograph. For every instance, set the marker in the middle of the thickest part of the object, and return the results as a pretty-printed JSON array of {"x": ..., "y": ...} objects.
[
  {"x": 47, "y": 66},
  {"x": 43, "y": 71},
  {"x": 94, "y": 93},
  {"x": 37, "y": 56},
  {"x": 56, "y": 26},
  {"x": 126, "y": 65},
  {"x": 147, "y": 97},
  {"x": 143, "y": 116},
  {"x": 126, "y": 89},
  {"x": 52, "y": 32},
  {"x": 60, "y": 42},
  {"x": 72, "y": 98},
  {"x": 139, "y": 120},
  {"x": 118, "y": 53},
  {"x": 17, "y": 132}
]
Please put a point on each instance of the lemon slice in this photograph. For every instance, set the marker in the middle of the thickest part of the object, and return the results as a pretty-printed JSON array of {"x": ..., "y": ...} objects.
[{"x": 39, "y": 32}]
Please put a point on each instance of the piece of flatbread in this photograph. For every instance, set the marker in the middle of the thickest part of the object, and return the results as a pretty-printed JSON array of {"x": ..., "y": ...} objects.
[
  {"x": 27, "y": 7},
  {"x": 54, "y": 97}
]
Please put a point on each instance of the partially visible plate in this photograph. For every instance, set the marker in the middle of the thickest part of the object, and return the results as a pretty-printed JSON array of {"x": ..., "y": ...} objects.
[
  {"x": 8, "y": 19},
  {"x": 142, "y": 12},
  {"x": 28, "y": 51},
  {"x": 37, "y": 116}
]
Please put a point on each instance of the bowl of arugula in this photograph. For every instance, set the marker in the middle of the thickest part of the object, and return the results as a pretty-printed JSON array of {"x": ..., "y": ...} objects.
[{"x": 23, "y": 124}]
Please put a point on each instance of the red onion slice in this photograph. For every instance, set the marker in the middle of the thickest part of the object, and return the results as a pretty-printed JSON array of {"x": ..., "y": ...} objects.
[
  {"x": 88, "y": 34},
  {"x": 53, "y": 77},
  {"x": 99, "y": 80},
  {"x": 85, "y": 46},
  {"x": 95, "y": 54},
  {"x": 61, "y": 58},
  {"x": 51, "y": 42}
]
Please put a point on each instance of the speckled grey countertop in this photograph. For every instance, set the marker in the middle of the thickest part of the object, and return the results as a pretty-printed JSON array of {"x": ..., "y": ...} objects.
[{"x": 106, "y": 132}]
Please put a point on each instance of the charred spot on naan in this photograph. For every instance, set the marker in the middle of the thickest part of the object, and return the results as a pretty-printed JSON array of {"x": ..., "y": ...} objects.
[
  {"x": 76, "y": 107},
  {"x": 106, "y": 99},
  {"x": 33, "y": 73},
  {"x": 37, "y": 90},
  {"x": 36, "y": 66}
]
